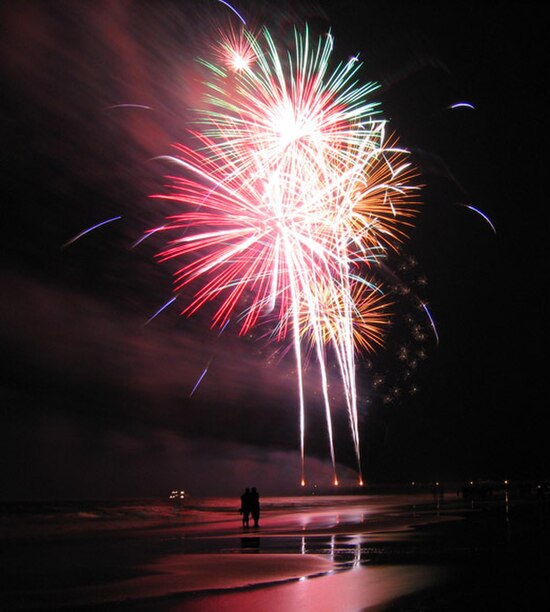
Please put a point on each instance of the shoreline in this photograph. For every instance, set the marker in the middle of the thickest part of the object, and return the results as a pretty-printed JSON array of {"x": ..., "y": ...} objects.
[{"x": 372, "y": 552}]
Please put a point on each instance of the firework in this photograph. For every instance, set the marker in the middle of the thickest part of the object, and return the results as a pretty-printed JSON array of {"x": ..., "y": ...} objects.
[
  {"x": 91, "y": 229},
  {"x": 289, "y": 199}
]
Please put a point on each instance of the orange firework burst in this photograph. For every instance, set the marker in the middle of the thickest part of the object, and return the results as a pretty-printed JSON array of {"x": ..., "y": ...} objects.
[
  {"x": 386, "y": 198},
  {"x": 370, "y": 316}
]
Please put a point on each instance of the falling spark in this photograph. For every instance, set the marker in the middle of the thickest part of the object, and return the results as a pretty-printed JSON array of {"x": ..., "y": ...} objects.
[
  {"x": 200, "y": 378},
  {"x": 147, "y": 235},
  {"x": 481, "y": 214},
  {"x": 140, "y": 106},
  {"x": 161, "y": 309},
  {"x": 90, "y": 229},
  {"x": 234, "y": 10},
  {"x": 432, "y": 323},
  {"x": 462, "y": 105},
  {"x": 223, "y": 328}
]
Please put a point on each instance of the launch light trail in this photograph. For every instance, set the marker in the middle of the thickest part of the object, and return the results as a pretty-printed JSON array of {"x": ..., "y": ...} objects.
[{"x": 290, "y": 199}]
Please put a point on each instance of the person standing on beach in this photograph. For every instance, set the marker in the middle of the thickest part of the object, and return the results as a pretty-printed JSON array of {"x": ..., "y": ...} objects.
[
  {"x": 255, "y": 506},
  {"x": 245, "y": 506}
]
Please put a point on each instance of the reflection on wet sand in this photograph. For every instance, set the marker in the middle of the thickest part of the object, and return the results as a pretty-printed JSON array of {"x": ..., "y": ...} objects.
[
  {"x": 354, "y": 590},
  {"x": 334, "y": 553}
]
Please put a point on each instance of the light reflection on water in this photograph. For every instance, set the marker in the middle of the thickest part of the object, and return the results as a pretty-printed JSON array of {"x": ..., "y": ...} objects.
[
  {"x": 345, "y": 551},
  {"x": 361, "y": 539}
]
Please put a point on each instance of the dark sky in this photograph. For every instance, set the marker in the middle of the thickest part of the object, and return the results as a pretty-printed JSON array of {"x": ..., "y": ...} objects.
[{"x": 96, "y": 402}]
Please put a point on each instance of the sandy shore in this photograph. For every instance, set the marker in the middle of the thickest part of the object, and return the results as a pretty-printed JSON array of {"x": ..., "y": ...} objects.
[
  {"x": 317, "y": 554},
  {"x": 356, "y": 589},
  {"x": 357, "y": 554}
]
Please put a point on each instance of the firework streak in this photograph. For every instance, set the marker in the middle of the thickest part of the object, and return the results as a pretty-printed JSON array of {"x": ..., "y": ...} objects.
[{"x": 289, "y": 199}]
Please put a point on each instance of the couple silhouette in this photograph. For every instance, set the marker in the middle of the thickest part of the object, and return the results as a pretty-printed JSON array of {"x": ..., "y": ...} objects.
[{"x": 250, "y": 505}]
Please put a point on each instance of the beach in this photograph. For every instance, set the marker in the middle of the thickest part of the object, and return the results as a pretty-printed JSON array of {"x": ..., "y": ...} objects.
[{"x": 383, "y": 551}]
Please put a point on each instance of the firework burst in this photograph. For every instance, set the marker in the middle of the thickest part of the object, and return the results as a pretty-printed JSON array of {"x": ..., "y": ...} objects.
[{"x": 289, "y": 199}]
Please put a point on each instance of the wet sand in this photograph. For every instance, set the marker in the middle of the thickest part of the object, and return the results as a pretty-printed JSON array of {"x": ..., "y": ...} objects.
[
  {"x": 356, "y": 589},
  {"x": 383, "y": 553}
]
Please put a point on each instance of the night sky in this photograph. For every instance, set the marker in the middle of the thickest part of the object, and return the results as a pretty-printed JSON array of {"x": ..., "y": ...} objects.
[{"x": 96, "y": 401}]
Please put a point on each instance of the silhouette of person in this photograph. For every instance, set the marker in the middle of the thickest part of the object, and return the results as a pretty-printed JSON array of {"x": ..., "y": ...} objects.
[
  {"x": 245, "y": 506},
  {"x": 255, "y": 506}
]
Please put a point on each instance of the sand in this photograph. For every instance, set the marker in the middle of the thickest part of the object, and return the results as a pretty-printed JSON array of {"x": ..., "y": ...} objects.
[
  {"x": 358, "y": 555},
  {"x": 356, "y": 589}
]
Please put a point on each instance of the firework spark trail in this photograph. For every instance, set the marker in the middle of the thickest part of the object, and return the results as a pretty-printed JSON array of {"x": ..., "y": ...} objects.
[
  {"x": 127, "y": 106},
  {"x": 232, "y": 8},
  {"x": 291, "y": 197},
  {"x": 163, "y": 307},
  {"x": 90, "y": 229},
  {"x": 203, "y": 374},
  {"x": 432, "y": 323},
  {"x": 146, "y": 235},
  {"x": 481, "y": 214},
  {"x": 462, "y": 105}
]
